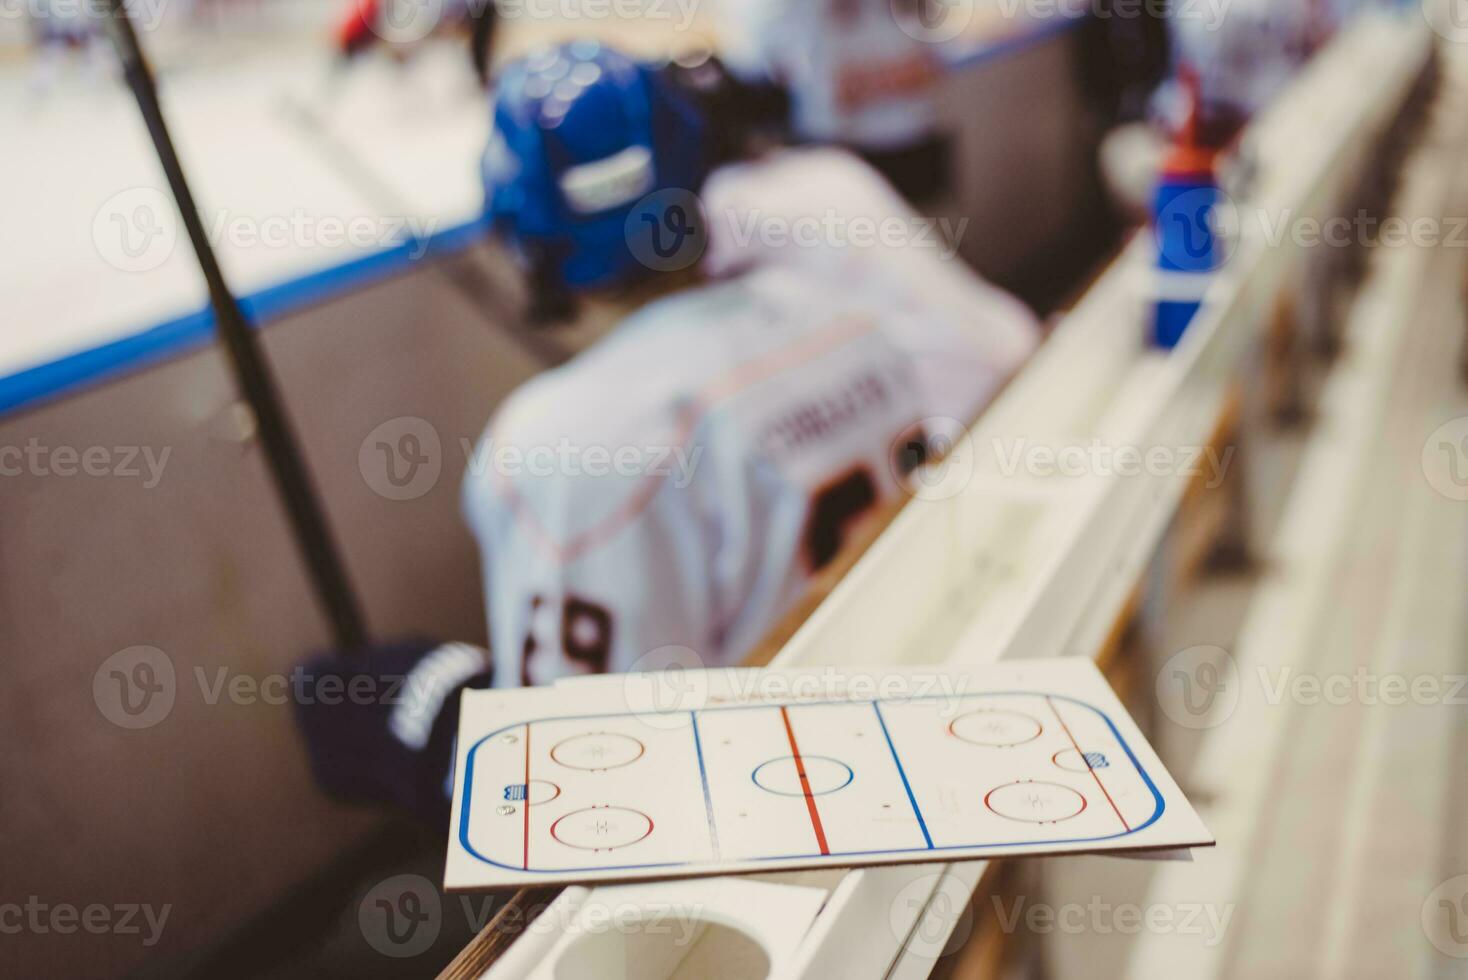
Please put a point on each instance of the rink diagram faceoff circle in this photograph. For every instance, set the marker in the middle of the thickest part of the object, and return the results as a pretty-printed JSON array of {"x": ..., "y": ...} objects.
[
  {"x": 602, "y": 828},
  {"x": 1030, "y": 801},
  {"x": 996, "y": 729},
  {"x": 598, "y": 751}
]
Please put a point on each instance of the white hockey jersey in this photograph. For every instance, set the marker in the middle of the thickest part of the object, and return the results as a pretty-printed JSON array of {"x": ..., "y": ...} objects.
[
  {"x": 854, "y": 75},
  {"x": 678, "y": 483}
]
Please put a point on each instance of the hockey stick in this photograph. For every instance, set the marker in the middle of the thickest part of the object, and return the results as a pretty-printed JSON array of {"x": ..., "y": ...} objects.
[{"x": 252, "y": 371}]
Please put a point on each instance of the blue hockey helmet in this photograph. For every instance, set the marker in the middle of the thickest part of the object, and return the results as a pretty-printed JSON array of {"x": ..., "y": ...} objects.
[{"x": 584, "y": 139}]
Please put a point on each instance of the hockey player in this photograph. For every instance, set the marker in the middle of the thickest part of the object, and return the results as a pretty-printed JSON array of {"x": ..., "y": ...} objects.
[
  {"x": 860, "y": 74},
  {"x": 1222, "y": 76},
  {"x": 63, "y": 33},
  {"x": 1240, "y": 65},
  {"x": 679, "y": 484},
  {"x": 402, "y": 23}
]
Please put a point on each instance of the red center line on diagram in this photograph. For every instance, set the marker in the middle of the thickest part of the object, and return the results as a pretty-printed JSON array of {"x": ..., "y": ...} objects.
[{"x": 810, "y": 801}]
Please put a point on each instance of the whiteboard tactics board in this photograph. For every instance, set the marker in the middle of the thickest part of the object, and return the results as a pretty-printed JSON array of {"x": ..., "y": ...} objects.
[{"x": 687, "y": 773}]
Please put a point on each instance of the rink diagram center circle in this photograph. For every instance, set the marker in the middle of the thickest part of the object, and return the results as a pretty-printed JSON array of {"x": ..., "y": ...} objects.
[{"x": 782, "y": 777}]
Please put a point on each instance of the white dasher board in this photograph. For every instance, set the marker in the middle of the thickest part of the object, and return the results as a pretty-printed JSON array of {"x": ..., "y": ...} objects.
[{"x": 685, "y": 773}]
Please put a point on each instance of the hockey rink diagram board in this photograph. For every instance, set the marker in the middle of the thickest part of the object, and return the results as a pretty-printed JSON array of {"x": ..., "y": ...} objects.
[{"x": 742, "y": 784}]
